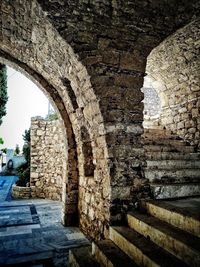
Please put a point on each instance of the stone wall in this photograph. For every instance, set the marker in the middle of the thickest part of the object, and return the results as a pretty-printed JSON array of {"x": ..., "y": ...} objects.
[
  {"x": 175, "y": 66},
  {"x": 48, "y": 159},
  {"x": 90, "y": 58},
  {"x": 19, "y": 192}
]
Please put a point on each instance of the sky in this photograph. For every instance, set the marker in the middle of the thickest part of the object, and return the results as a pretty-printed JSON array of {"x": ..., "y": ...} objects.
[{"x": 26, "y": 100}]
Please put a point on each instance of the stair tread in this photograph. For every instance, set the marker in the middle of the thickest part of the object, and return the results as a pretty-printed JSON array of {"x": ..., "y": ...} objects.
[
  {"x": 115, "y": 254},
  {"x": 149, "y": 248},
  {"x": 176, "y": 233},
  {"x": 173, "y": 175},
  {"x": 176, "y": 171},
  {"x": 175, "y": 209},
  {"x": 83, "y": 256},
  {"x": 174, "y": 189},
  {"x": 168, "y": 147},
  {"x": 161, "y": 155},
  {"x": 173, "y": 163},
  {"x": 165, "y": 142},
  {"x": 160, "y": 183}
]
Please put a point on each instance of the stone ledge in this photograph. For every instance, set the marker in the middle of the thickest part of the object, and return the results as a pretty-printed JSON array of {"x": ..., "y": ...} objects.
[{"x": 20, "y": 192}]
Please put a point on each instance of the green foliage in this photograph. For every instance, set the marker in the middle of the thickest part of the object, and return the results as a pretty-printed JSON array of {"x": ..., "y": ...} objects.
[
  {"x": 27, "y": 136},
  {"x": 3, "y": 91},
  {"x": 23, "y": 171},
  {"x": 26, "y": 146},
  {"x": 1, "y": 141},
  {"x": 4, "y": 150},
  {"x": 52, "y": 116},
  {"x": 17, "y": 150}
]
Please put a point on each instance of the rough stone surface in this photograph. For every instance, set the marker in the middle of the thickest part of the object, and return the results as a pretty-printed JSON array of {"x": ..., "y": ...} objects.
[
  {"x": 19, "y": 192},
  {"x": 48, "y": 158},
  {"x": 177, "y": 81},
  {"x": 90, "y": 58}
]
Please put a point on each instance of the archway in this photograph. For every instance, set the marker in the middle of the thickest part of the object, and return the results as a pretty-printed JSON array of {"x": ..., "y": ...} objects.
[
  {"x": 33, "y": 45},
  {"x": 173, "y": 69},
  {"x": 172, "y": 137},
  {"x": 70, "y": 175},
  {"x": 96, "y": 72}
]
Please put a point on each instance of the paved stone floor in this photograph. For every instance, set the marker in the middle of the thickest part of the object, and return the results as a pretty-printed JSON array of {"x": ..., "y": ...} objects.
[
  {"x": 31, "y": 233},
  {"x": 5, "y": 187}
]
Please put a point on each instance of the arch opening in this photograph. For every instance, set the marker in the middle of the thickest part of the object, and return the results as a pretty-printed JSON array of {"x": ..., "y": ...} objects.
[
  {"x": 70, "y": 162},
  {"x": 52, "y": 62},
  {"x": 173, "y": 71},
  {"x": 173, "y": 135}
]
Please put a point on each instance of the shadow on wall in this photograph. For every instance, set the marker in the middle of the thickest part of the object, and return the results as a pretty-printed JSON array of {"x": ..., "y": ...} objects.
[{"x": 89, "y": 167}]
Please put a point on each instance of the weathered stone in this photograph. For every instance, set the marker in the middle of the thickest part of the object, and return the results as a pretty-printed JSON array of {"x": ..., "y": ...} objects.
[
  {"x": 47, "y": 172},
  {"x": 73, "y": 50},
  {"x": 177, "y": 81}
]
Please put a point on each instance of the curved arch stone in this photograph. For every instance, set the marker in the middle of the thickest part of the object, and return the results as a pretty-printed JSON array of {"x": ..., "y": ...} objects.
[
  {"x": 71, "y": 174},
  {"x": 30, "y": 41},
  {"x": 174, "y": 64},
  {"x": 96, "y": 66}
]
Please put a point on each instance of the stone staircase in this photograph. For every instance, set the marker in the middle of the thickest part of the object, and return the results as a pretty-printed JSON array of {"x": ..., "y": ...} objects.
[
  {"x": 173, "y": 165},
  {"x": 157, "y": 235}
]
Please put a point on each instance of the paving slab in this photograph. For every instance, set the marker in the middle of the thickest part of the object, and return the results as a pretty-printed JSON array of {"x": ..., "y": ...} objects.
[{"x": 31, "y": 232}]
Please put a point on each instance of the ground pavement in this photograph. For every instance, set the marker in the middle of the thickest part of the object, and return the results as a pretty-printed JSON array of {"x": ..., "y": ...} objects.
[{"x": 31, "y": 233}]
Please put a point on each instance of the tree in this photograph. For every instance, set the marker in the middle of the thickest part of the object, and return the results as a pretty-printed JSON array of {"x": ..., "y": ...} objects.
[
  {"x": 4, "y": 150},
  {"x": 52, "y": 116},
  {"x": 17, "y": 150},
  {"x": 1, "y": 141},
  {"x": 3, "y": 91},
  {"x": 26, "y": 146},
  {"x": 23, "y": 171}
]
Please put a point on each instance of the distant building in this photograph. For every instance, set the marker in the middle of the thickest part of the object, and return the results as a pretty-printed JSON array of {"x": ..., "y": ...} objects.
[
  {"x": 10, "y": 160},
  {"x": 17, "y": 159}
]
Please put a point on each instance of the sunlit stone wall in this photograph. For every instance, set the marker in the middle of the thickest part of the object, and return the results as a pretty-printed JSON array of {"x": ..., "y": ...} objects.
[
  {"x": 47, "y": 158},
  {"x": 175, "y": 67}
]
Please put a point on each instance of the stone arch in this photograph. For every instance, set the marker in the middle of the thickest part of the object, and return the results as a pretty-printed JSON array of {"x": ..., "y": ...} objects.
[
  {"x": 114, "y": 45},
  {"x": 71, "y": 169},
  {"x": 174, "y": 66},
  {"x": 30, "y": 41},
  {"x": 96, "y": 64}
]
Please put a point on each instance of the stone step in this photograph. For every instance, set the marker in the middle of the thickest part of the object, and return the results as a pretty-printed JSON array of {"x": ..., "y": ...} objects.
[
  {"x": 142, "y": 250},
  {"x": 159, "y": 132},
  {"x": 173, "y": 164},
  {"x": 149, "y": 124},
  {"x": 172, "y": 156},
  {"x": 173, "y": 175},
  {"x": 109, "y": 255},
  {"x": 168, "y": 148},
  {"x": 173, "y": 142},
  {"x": 176, "y": 216},
  {"x": 181, "y": 244},
  {"x": 82, "y": 257},
  {"x": 171, "y": 191}
]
